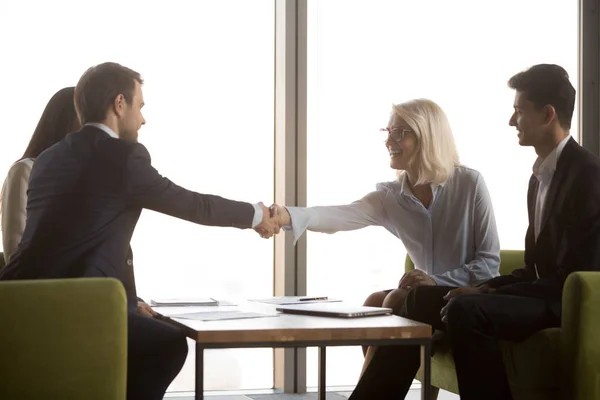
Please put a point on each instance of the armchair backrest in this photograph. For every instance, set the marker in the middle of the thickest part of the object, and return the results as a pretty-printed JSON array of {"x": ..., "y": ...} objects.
[{"x": 63, "y": 339}]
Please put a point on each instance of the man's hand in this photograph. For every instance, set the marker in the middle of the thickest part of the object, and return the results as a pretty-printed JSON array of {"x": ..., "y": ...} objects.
[
  {"x": 415, "y": 278},
  {"x": 281, "y": 214},
  {"x": 269, "y": 224},
  {"x": 145, "y": 310},
  {"x": 459, "y": 292},
  {"x": 463, "y": 290}
]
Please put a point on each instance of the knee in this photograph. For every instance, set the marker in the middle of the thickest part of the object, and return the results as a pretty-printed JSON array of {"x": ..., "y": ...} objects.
[
  {"x": 462, "y": 312},
  {"x": 395, "y": 300},
  {"x": 412, "y": 303},
  {"x": 375, "y": 299},
  {"x": 174, "y": 350},
  {"x": 180, "y": 351}
]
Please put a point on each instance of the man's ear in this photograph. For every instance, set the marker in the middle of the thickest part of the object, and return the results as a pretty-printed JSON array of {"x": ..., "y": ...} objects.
[
  {"x": 119, "y": 105},
  {"x": 549, "y": 113}
]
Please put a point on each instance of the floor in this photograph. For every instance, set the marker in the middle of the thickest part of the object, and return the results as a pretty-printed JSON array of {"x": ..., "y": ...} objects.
[{"x": 414, "y": 394}]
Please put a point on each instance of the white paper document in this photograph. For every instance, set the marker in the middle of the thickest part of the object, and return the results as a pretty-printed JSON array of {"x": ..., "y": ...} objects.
[
  {"x": 221, "y": 315},
  {"x": 207, "y": 301}
]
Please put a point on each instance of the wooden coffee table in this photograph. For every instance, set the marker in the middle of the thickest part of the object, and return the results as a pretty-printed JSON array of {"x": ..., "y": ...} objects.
[{"x": 288, "y": 330}]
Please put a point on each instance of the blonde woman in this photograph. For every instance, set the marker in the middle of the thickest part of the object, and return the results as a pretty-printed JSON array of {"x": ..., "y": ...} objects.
[{"x": 439, "y": 209}]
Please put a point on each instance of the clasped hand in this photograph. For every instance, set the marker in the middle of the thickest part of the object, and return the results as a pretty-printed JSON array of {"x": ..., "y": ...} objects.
[
  {"x": 454, "y": 293},
  {"x": 419, "y": 278},
  {"x": 274, "y": 218}
]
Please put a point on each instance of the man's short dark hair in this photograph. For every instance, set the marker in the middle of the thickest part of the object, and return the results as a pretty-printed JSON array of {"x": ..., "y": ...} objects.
[
  {"x": 547, "y": 84},
  {"x": 99, "y": 86}
]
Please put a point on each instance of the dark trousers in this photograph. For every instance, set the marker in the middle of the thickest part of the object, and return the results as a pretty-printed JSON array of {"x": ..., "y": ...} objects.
[
  {"x": 155, "y": 355},
  {"x": 474, "y": 327}
]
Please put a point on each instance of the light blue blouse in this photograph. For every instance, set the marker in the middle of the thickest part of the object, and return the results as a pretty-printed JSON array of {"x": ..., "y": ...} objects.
[{"x": 455, "y": 240}]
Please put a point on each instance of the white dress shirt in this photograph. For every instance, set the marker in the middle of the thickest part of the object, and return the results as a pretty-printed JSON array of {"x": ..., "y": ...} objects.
[
  {"x": 455, "y": 240},
  {"x": 543, "y": 170},
  {"x": 258, "y": 212}
]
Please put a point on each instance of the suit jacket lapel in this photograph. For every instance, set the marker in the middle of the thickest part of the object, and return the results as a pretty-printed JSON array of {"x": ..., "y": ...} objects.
[
  {"x": 530, "y": 235},
  {"x": 557, "y": 180},
  {"x": 531, "y": 196}
]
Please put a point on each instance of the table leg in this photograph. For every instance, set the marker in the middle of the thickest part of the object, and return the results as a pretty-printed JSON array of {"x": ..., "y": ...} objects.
[
  {"x": 426, "y": 363},
  {"x": 322, "y": 364},
  {"x": 199, "y": 372}
]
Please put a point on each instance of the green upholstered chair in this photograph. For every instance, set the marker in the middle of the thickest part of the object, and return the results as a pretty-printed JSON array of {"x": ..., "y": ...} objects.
[
  {"x": 558, "y": 363},
  {"x": 63, "y": 339}
]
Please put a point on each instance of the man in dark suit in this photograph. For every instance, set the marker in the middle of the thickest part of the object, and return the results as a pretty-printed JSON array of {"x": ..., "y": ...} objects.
[
  {"x": 563, "y": 236},
  {"x": 85, "y": 196}
]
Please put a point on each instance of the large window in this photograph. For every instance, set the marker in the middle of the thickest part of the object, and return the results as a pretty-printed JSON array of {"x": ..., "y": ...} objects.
[
  {"x": 365, "y": 55},
  {"x": 208, "y": 68},
  {"x": 209, "y": 72}
]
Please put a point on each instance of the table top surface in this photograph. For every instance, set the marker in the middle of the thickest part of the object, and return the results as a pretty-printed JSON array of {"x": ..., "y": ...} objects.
[{"x": 282, "y": 328}]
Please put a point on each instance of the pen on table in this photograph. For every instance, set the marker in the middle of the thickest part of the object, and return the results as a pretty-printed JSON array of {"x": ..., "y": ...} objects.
[{"x": 311, "y": 298}]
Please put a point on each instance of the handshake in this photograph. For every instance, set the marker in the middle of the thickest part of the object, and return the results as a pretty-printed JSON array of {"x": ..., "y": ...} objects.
[{"x": 274, "y": 218}]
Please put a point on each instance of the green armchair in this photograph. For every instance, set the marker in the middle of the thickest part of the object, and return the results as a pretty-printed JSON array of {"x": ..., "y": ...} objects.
[
  {"x": 558, "y": 363},
  {"x": 63, "y": 339}
]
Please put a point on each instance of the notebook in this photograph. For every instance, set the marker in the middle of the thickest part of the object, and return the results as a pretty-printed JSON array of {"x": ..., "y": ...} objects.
[{"x": 339, "y": 310}]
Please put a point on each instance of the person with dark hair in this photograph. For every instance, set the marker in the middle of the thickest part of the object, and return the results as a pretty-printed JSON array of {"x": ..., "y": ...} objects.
[
  {"x": 563, "y": 236},
  {"x": 58, "y": 119},
  {"x": 85, "y": 196},
  {"x": 545, "y": 84}
]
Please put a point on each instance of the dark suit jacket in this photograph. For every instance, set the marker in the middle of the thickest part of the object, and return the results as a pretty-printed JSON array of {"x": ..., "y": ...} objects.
[
  {"x": 85, "y": 196},
  {"x": 569, "y": 239}
]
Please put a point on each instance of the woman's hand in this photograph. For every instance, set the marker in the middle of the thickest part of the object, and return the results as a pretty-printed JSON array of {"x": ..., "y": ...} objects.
[{"x": 415, "y": 278}]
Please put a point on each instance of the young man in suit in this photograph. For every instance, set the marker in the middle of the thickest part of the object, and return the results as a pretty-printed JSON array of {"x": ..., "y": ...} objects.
[
  {"x": 563, "y": 236},
  {"x": 85, "y": 196}
]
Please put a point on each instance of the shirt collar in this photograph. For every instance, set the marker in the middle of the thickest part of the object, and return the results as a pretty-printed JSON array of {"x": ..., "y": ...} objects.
[
  {"x": 543, "y": 166},
  {"x": 103, "y": 127},
  {"x": 405, "y": 187}
]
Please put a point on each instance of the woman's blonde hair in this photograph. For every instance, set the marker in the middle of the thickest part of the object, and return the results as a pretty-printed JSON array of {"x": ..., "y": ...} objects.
[{"x": 435, "y": 156}]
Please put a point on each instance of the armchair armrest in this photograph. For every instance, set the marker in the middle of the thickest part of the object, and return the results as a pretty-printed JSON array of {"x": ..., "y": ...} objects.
[{"x": 580, "y": 347}]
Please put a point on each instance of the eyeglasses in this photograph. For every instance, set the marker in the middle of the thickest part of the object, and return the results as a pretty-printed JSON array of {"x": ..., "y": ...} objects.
[{"x": 396, "y": 133}]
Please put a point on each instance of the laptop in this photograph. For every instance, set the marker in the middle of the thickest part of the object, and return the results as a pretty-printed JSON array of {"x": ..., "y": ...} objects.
[{"x": 338, "y": 310}]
